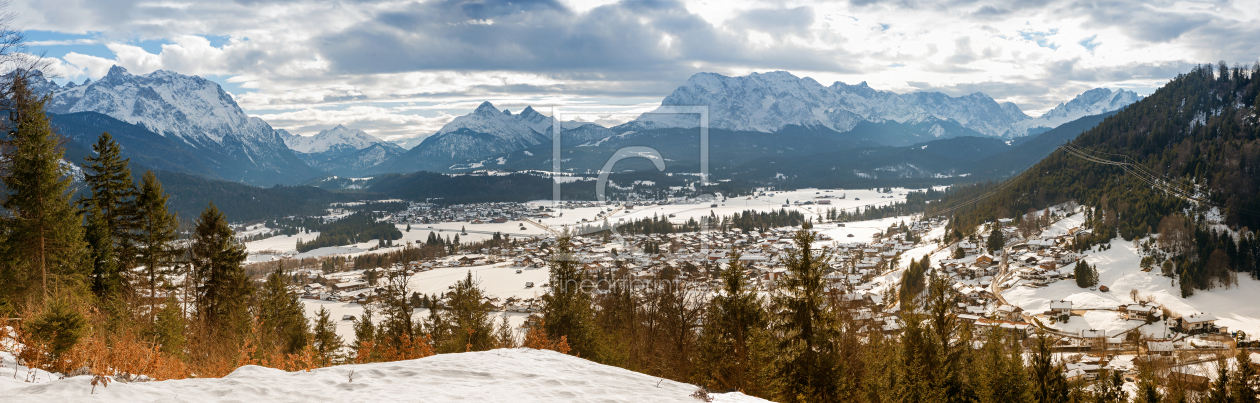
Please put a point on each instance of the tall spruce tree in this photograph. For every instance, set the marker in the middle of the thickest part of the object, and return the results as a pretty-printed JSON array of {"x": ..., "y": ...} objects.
[
  {"x": 113, "y": 194},
  {"x": 222, "y": 287},
  {"x": 1000, "y": 376},
  {"x": 1109, "y": 388},
  {"x": 364, "y": 336},
  {"x": 170, "y": 327},
  {"x": 325, "y": 338},
  {"x": 107, "y": 278},
  {"x": 1086, "y": 275},
  {"x": 1220, "y": 390},
  {"x": 951, "y": 346},
  {"x": 996, "y": 241},
  {"x": 567, "y": 308},
  {"x": 466, "y": 322},
  {"x": 1246, "y": 382},
  {"x": 43, "y": 245},
  {"x": 1048, "y": 383},
  {"x": 809, "y": 366},
  {"x": 281, "y": 320},
  {"x": 733, "y": 352},
  {"x": 155, "y": 233},
  {"x": 397, "y": 310}
]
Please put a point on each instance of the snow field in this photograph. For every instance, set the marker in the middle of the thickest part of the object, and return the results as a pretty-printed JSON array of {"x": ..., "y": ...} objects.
[
  {"x": 1118, "y": 268},
  {"x": 279, "y": 246},
  {"x": 515, "y": 375}
]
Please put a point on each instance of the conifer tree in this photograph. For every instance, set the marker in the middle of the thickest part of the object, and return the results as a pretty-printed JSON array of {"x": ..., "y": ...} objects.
[
  {"x": 808, "y": 367},
  {"x": 1147, "y": 391},
  {"x": 280, "y": 316},
  {"x": 1086, "y": 275},
  {"x": 1048, "y": 383},
  {"x": 1109, "y": 388},
  {"x": 504, "y": 335},
  {"x": 916, "y": 361},
  {"x": 1246, "y": 382},
  {"x": 951, "y": 346},
  {"x": 1220, "y": 391},
  {"x": 325, "y": 338},
  {"x": 364, "y": 329},
  {"x": 58, "y": 328},
  {"x": 42, "y": 232},
  {"x": 466, "y": 323},
  {"x": 1000, "y": 366},
  {"x": 733, "y": 351},
  {"x": 996, "y": 241},
  {"x": 155, "y": 232},
  {"x": 398, "y": 310},
  {"x": 113, "y": 193},
  {"x": 222, "y": 287},
  {"x": 567, "y": 308},
  {"x": 170, "y": 327},
  {"x": 107, "y": 279}
]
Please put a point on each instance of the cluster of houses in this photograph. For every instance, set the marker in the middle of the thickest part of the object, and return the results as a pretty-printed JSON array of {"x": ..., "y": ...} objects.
[
  {"x": 853, "y": 273},
  {"x": 477, "y": 213}
]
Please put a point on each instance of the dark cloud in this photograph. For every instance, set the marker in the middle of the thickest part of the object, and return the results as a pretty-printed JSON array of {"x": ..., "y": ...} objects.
[
  {"x": 1139, "y": 20},
  {"x": 988, "y": 12},
  {"x": 794, "y": 21},
  {"x": 545, "y": 37}
]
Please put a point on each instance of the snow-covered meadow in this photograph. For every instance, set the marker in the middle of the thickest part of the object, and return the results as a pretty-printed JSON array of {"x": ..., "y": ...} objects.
[
  {"x": 1119, "y": 269},
  {"x": 278, "y": 247},
  {"x": 515, "y": 375}
]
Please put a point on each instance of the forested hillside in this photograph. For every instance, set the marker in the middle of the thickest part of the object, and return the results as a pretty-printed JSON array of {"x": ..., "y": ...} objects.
[
  {"x": 1191, "y": 148},
  {"x": 243, "y": 203}
]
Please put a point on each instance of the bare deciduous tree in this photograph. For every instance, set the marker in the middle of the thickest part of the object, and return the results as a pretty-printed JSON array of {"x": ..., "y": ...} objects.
[{"x": 1176, "y": 235}]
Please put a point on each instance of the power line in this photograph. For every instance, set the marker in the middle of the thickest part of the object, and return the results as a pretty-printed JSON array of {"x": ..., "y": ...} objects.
[{"x": 1150, "y": 177}]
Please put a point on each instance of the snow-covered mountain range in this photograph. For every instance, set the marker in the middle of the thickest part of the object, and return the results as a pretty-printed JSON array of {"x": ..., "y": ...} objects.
[
  {"x": 788, "y": 108},
  {"x": 521, "y": 130},
  {"x": 485, "y": 132},
  {"x": 797, "y": 112},
  {"x": 341, "y": 151},
  {"x": 1093, "y": 102},
  {"x": 770, "y": 102},
  {"x": 338, "y": 138},
  {"x": 192, "y": 111}
]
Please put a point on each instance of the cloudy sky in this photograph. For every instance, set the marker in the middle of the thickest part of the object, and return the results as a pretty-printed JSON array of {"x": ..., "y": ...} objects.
[{"x": 404, "y": 68}]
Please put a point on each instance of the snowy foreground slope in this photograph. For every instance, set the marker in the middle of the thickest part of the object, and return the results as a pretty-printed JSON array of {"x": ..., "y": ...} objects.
[{"x": 515, "y": 375}]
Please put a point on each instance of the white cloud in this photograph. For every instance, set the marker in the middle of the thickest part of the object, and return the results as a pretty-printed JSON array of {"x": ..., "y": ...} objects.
[
  {"x": 306, "y": 64},
  {"x": 382, "y": 122},
  {"x": 67, "y": 42}
]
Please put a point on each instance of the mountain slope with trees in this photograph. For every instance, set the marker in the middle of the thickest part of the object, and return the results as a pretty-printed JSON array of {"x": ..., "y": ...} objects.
[{"x": 1191, "y": 150}]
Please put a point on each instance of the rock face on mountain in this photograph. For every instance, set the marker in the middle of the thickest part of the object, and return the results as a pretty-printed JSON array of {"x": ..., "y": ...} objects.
[
  {"x": 193, "y": 112},
  {"x": 342, "y": 151}
]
